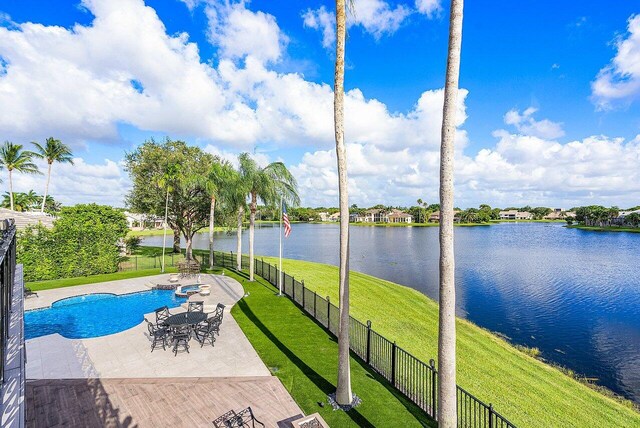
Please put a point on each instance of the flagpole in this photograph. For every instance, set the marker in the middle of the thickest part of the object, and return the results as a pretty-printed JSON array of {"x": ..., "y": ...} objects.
[{"x": 280, "y": 272}]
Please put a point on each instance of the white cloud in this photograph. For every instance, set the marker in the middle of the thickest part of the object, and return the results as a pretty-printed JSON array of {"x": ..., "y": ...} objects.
[
  {"x": 75, "y": 84},
  {"x": 429, "y": 7},
  {"x": 321, "y": 19},
  {"x": 620, "y": 80},
  {"x": 239, "y": 32},
  {"x": 376, "y": 17},
  {"x": 526, "y": 124},
  {"x": 103, "y": 183}
]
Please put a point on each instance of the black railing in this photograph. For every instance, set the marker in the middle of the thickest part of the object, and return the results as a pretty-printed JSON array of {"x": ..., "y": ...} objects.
[
  {"x": 411, "y": 376},
  {"x": 7, "y": 275}
]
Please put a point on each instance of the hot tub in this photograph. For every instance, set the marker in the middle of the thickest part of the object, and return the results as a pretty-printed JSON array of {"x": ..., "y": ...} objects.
[{"x": 187, "y": 290}]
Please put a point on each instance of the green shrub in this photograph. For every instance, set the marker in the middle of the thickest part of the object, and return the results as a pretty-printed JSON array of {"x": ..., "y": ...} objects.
[{"x": 83, "y": 241}]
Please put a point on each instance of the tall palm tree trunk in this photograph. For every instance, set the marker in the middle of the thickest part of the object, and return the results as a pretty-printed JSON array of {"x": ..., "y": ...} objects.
[
  {"x": 46, "y": 189},
  {"x": 343, "y": 392},
  {"x": 211, "y": 227},
  {"x": 447, "y": 409},
  {"x": 11, "y": 189},
  {"x": 239, "y": 239},
  {"x": 252, "y": 220}
]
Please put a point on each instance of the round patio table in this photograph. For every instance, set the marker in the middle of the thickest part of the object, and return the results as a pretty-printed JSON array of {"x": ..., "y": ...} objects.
[{"x": 183, "y": 318}]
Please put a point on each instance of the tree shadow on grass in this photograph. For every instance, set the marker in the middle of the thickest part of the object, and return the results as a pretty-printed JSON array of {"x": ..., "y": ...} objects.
[{"x": 321, "y": 383}]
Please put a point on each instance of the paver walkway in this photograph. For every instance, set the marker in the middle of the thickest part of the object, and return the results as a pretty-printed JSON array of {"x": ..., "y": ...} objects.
[{"x": 155, "y": 402}]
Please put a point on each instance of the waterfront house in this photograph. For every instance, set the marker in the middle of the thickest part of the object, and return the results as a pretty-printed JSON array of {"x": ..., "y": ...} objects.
[
  {"x": 515, "y": 215},
  {"x": 334, "y": 217},
  {"x": 559, "y": 214},
  {"x": 621, "y": 219},
  {"x": 376, "y": 215},
  {"x": 324, "y": 216},
  {"x": 397, "y": 216},
  {"x": 435, "y": 216}
]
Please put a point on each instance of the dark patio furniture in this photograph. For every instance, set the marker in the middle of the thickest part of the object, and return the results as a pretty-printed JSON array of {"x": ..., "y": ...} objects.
[
  {"x": 206, "y": 332},
  {"x": 197, "y": 306},
  {"x": 157, "y": 335},
  {"x": 28, "y": 292},
  {"x": 188, "y": 268},
  {"x": 161, "y": 315},
  {"x": 185, "y": 318},
  {"x": 232, "y": 419},
  {"x": 180, "y": 336}
]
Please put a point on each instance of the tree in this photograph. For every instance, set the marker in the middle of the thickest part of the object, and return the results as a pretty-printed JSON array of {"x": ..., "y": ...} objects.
[
  {"x": 219, "y": 176},
  {"x": 235, "y": 197},
  {"x": 447, "y": 409},
  {"x": 188, "y": 201},
  {"x": 53, "y": 151},
  {"x": 13, "y": 158},
  {"x": 84, "y": 241},
  {"x": 343, "y": 390},
  {"x": 268, "y": 184}
]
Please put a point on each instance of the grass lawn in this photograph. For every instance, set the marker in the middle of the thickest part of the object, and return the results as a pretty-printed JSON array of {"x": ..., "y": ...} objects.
[
  {"x": 526, "y": 391},
  {"x": 606, "y": 228},
  {"x": 305, "y": 358},
  {"x": 81, "y": 280}
]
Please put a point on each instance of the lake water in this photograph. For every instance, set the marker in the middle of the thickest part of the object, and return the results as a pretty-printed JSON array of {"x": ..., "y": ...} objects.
[{"x": 573, "y": 294}]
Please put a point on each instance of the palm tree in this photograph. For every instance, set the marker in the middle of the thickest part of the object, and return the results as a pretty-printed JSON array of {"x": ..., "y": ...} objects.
[
  {"x": 235, "y": 198},
  {"x": 218, "y": 178},
  {"x": 268, "y": 184},
  {"x": 343, "y": 390},
  {"x": 53, "y": 151},
  {"x": 13, "y": 158},
  {"x": 447, "y": 409}
]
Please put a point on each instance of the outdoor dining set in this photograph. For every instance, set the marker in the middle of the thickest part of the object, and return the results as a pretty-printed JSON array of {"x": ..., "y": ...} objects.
[{"x": 176, "y": 330}]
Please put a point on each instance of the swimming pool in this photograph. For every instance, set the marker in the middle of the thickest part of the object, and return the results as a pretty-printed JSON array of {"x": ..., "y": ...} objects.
[{"x": 95, "y": 315}]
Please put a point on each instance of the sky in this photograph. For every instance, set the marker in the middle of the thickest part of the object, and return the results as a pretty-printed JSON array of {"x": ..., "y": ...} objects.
[{"x": 548, "y": 112}]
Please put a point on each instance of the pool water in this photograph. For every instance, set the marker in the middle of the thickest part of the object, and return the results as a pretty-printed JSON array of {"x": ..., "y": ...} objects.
[{"x": 95, "y": 315}]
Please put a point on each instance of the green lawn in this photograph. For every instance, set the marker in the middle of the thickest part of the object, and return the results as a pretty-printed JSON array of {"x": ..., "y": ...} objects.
[
  {"x": 606, "y": 228},
  {"x": 526, "y": 391},
  {"x": 81, "y": 280},
  {"x": 304, "y": 357}
]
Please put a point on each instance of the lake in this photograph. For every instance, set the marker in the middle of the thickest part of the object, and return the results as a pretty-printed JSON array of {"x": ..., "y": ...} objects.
[{"x": 573, "y": 294}]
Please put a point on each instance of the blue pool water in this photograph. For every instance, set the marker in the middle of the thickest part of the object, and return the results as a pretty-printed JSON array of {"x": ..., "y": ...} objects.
[{"x": 95, "y": 315}]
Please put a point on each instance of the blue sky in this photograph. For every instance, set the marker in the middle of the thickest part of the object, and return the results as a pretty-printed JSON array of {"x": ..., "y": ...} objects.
[{"x": 551, "y": 113}]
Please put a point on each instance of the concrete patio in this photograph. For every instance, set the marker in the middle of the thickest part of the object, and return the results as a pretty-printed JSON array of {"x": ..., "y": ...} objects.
[{"x": 106, "y": 370}]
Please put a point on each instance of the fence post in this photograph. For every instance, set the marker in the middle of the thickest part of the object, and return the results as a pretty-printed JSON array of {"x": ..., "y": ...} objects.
[
  {"x": 328, "y": 314},
  {"x": 434, "y": 396},
  {"x": 155, "y": 258},
  {"x": 393, "y": 364},
  {"x": 136, "y": 262},
  {"x": 368, "y": 341},
  {"x": 172, "y": 265},
  {"x": 315, "y": 299},
  {"x": 490, "y": 415},
  {"x": 293, "y": 287},
  {"x": 303, "y": 293},
  {"x": 269, "y": 277}
]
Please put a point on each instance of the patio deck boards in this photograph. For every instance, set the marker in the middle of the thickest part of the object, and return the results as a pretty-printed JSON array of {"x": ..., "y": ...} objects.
[{"x": 177, "y": 402}]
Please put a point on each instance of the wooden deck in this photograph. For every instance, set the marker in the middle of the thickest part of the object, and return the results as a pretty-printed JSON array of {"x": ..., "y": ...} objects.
[{"x": 159, "y": 402}]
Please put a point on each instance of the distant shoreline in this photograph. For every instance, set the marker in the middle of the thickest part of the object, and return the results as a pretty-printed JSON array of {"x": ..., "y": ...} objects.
[{"x": 605, "y": 228}]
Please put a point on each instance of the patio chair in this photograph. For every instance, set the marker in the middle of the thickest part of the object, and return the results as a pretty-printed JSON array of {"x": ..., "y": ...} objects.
[
  {"x": 219, "y": 313},
  {"x": 197, "y": 306},
  {"x": 180, "y": 336},
  {"x": 243, "y": 418},
  {"x": 158, "y": 335},
  {"x": 28, "y": 292},
  {"x": 206, "y": 332},
  {"x": 161, "y": 315}
]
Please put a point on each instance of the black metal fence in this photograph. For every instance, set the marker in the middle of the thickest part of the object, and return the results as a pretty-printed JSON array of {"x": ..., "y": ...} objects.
[
  {"x": 7, "y": 273},
  {"x": 414, "y": 378}
]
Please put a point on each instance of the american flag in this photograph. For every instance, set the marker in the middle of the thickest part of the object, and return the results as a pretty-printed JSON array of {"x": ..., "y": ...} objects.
[{"x": 285, "y": 220}]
